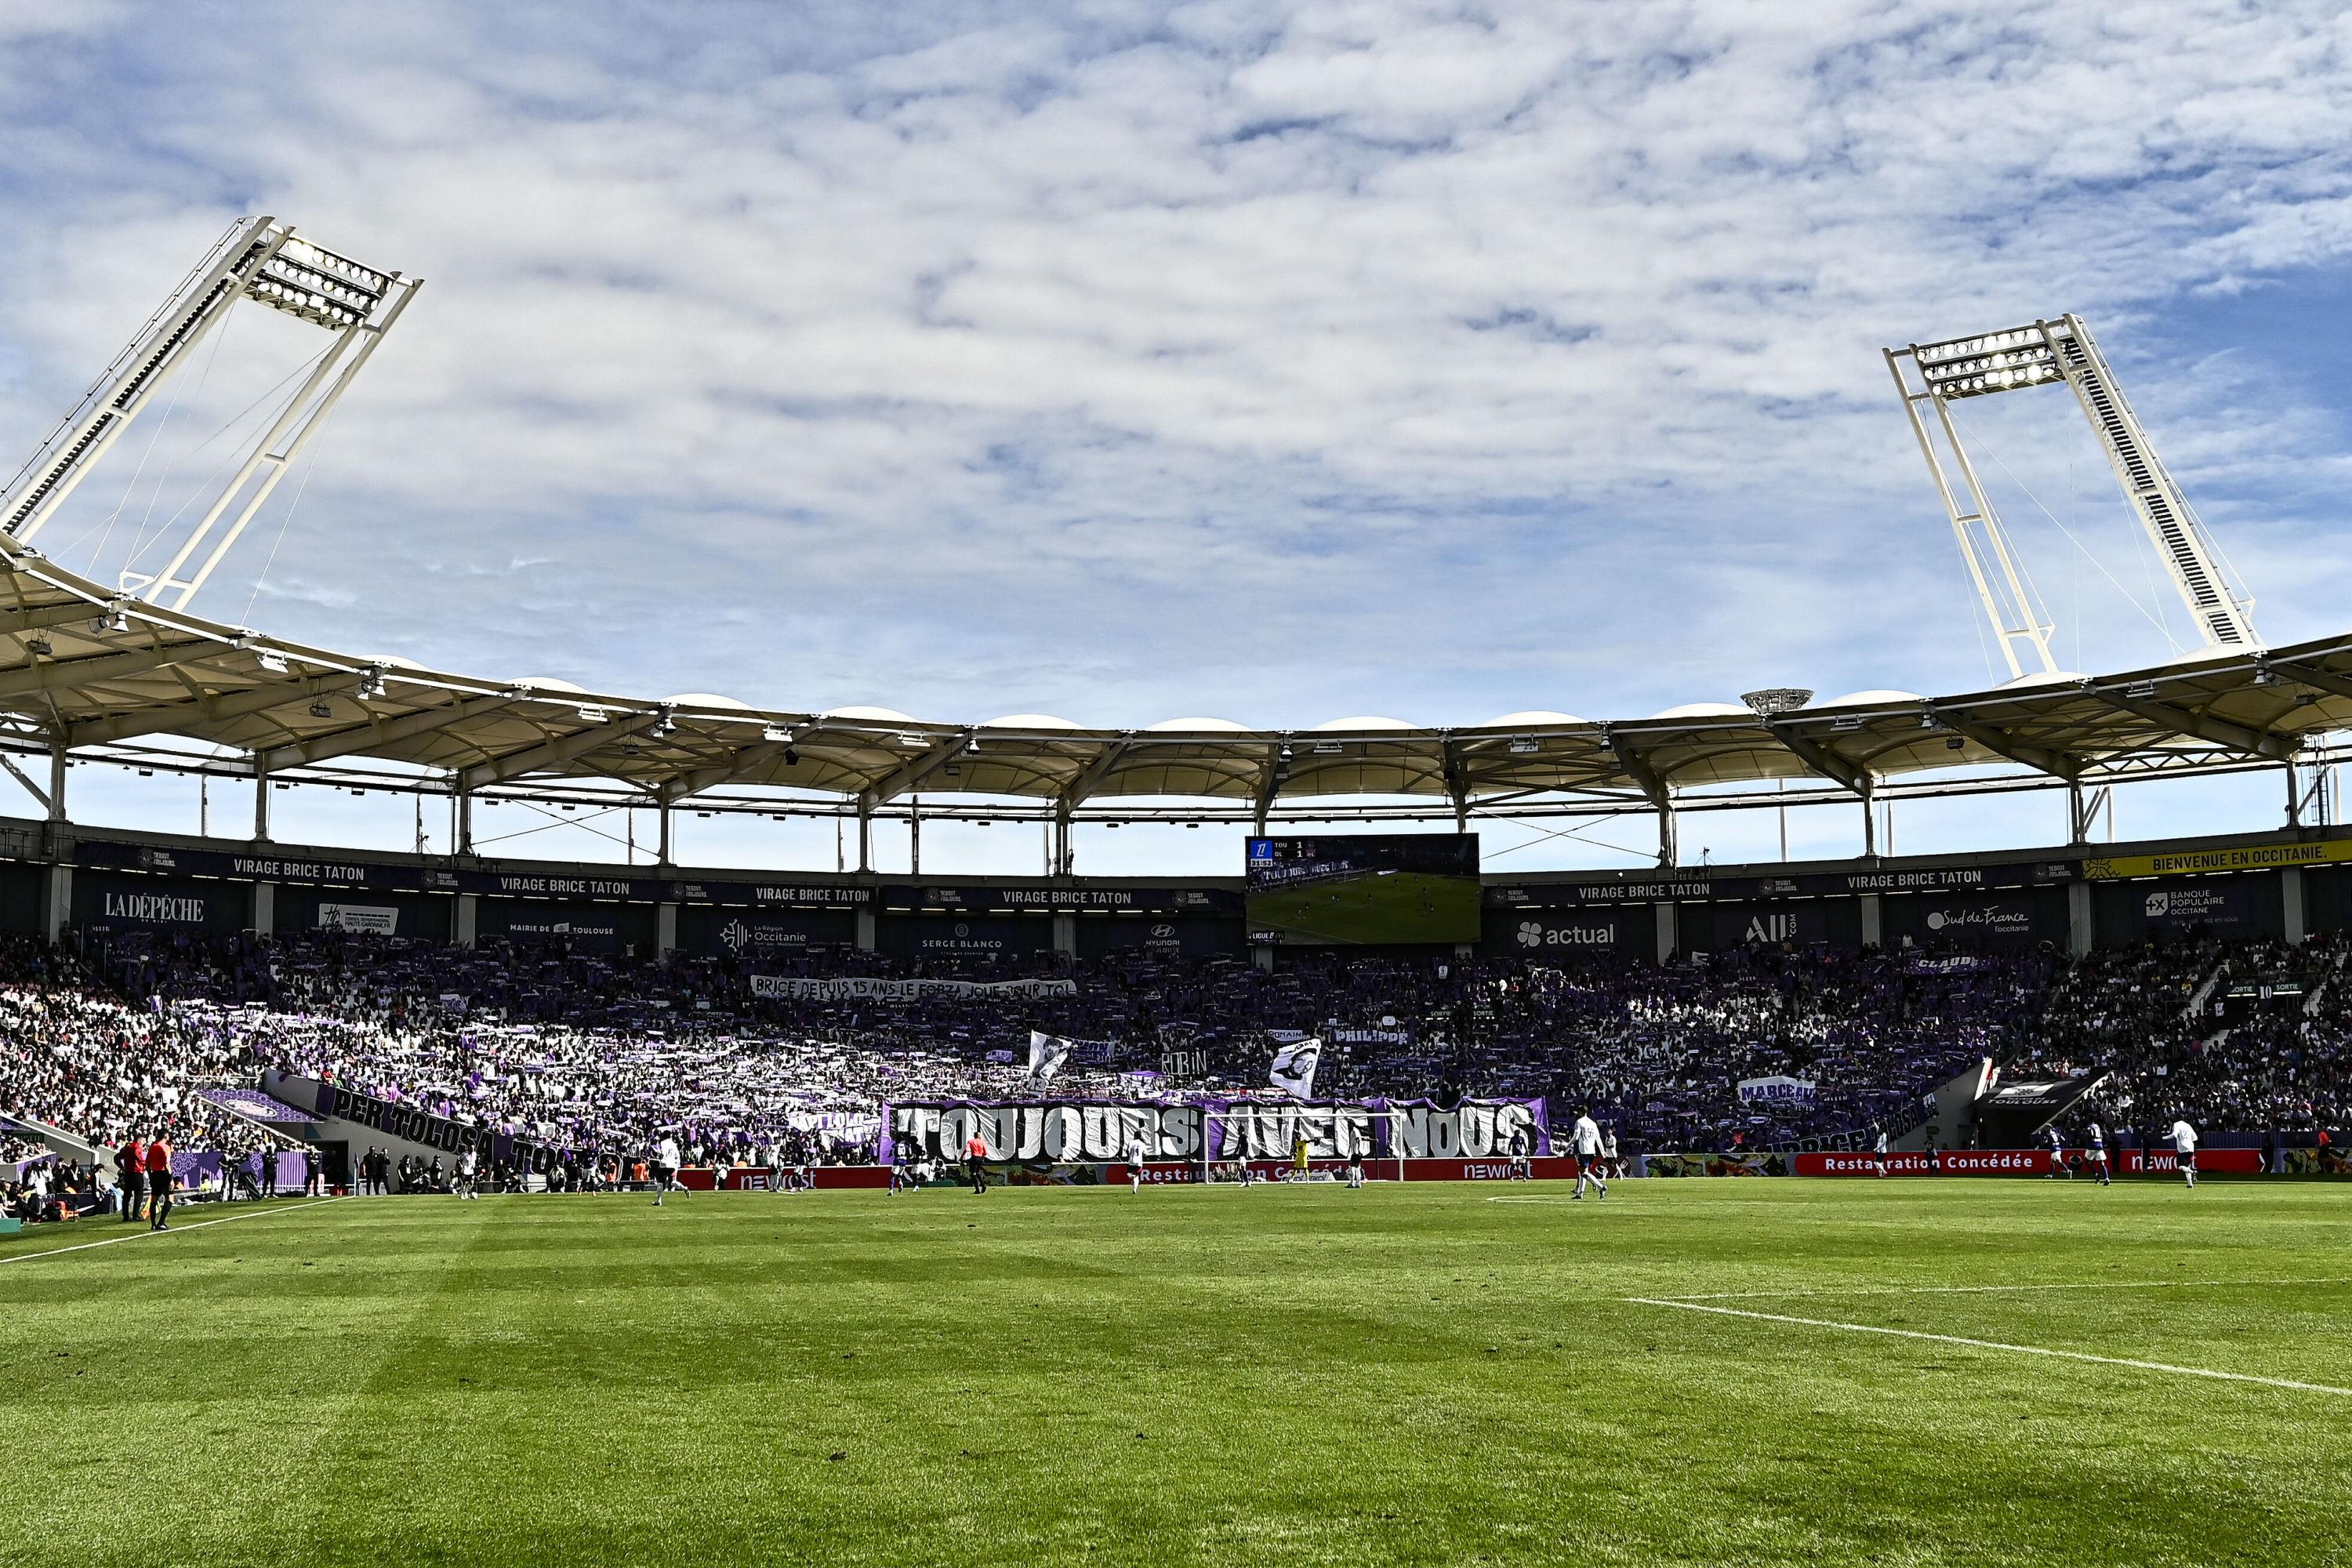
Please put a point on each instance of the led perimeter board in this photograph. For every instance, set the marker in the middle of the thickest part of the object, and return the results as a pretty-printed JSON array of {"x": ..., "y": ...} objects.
[{"x": 1363, "y": 888}]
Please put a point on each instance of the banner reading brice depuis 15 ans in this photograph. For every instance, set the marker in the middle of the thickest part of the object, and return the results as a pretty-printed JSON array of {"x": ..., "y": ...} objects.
[{"x": 1076, "y": 1131}]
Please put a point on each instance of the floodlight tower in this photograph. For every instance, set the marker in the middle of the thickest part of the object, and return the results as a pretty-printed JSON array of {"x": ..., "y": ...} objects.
[
  {"x": 2042, "y": 351},
  {"x": 1767, "y": 705},
  {"x": 259, "y": 259}
]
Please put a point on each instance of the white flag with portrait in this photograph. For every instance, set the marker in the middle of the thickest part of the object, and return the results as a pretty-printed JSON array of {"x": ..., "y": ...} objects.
[
  {"x": 1293, "y": 1071},
  {"x": 1046, "y": 1055}
]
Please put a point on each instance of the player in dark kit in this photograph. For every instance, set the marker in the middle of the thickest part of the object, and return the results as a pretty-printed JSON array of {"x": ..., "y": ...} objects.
[
  {"x": 131, "y": 1166},
  {"x": 159, "y": 1182}
]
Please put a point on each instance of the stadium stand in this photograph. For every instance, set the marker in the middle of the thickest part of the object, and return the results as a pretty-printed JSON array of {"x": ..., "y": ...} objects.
[{"x": 123, "y": 1034}]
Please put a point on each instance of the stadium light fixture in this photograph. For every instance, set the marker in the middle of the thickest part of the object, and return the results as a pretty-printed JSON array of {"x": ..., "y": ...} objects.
[
  {"x": 1524, "y": 748},
  {"x": 2140, "y": 688},
  {"x": 664, "y": 721},
  {"x": 39, "y": 648},
  {"x": 591, "y": 714},
  {"x": 371, "y": 682},
  {"x": 1953, "y": 743},
  {"x": 1328, "y": 748},
  {"x": 792, "y": 757},
  {"x": 270, "y": 660},
  {"x": 2266, "y": 676},
  {"x": 320, "y": 711},
  {"x": 777, "y": 733},
  {"x": 113, "y": 619},
  {"x": 1845, "y": 726},
  {"x": 1774, "y": 700}
]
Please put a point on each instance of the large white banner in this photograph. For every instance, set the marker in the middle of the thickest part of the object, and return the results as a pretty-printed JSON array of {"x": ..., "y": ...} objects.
[
  {"x": 1293, "y": 1068},
  {"x": 1047, "y": 1052},
  {"x": 855, "y": 988},
  {"x": 1779, "y": 1090}
]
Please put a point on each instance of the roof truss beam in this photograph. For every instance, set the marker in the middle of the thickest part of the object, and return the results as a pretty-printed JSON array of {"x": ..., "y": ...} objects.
[
  {"x": 1819, "y": 758},
  {"x": 2002, "y": 743},
  {"x": 554, "y": 754},
  {"x": 2220, "y": 731},
  {"x": 170, "y": 716},
  {"x": 914, "y": 770},
  {"x": 1087, "y": 782},
  {"x": 58, "y": 675},
  {"x": 746, "y": 760},
  {"x": 379, "y": 731},
  {"x": 2318, "y": 679}
]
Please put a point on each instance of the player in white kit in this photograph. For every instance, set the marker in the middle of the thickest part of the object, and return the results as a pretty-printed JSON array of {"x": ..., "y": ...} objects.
[
  {"x": 2058, "y": 1166},
  {"x": 1136, "y": 1156},
  {"x": 2097, "y": 1154},
  {"x": 2184, "y": 1144},
  {"x": 666, "y": 1159},
  {"x": 1585, "y": 1139}
]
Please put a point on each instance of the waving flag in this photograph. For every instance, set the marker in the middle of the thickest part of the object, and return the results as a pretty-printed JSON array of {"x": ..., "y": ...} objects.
[
  {"x": 1293, "y": 1071},
  {"x": 1046, "y": 1055}
]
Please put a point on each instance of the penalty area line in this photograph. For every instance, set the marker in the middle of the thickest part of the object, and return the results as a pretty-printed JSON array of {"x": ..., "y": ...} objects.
[
  {"x": 2204, "y": 1371},
  {"x": 174, "y": 1230}
]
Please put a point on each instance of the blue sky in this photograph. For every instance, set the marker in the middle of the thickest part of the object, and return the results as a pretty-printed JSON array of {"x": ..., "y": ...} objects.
[{"x": 1278, "y": 362}]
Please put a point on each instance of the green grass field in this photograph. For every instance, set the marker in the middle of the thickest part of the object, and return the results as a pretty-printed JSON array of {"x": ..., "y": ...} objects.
[
  {"x": 1405, "y": 906},
  {"x": 1424, "y": 1375}
]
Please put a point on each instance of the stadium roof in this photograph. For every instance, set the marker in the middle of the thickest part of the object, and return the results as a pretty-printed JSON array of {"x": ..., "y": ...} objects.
[{"x": 82, "y": 665}]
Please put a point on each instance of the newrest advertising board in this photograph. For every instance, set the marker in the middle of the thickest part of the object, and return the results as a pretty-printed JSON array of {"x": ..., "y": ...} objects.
[{"x": 1362, "y": 890}]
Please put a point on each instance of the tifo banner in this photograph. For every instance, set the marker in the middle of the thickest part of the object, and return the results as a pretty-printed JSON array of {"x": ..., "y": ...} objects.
[
  {"x": 853, "y": 988},
  {"x": 1947, "y": 964},
  {"x": 1777, "y": 1091},
  {"x": 1075, "y": 1131}
]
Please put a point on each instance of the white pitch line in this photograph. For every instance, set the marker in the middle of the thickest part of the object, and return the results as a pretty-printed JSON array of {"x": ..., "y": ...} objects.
[
  {"x": 172, "y": 1230},
  {"x": 2205, "y": 1371},
  {"x": 1993, "y": 1290}
]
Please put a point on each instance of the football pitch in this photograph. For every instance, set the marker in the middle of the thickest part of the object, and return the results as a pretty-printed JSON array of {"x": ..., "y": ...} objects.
[
  {"x": 1402, "y": 906},
  {"x": 1704, "y": 1372}
]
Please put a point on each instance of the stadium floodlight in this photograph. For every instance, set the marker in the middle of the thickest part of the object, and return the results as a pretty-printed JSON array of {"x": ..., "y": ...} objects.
[
  {"x": 2039, "y": 354},
  {"x": 1775, "y": 700},
  {"x": 39, "y": 648},
  {"x": 664, "y": 721},
  {"x": 2141, "y": 690},
  {"x": 256, "y": 258},
  {"x": 271, "y": 660},
  {"x": 1524, "y": 748},
  {"x": 371, "y": 682},
  {"x": 591, "y": 714},
  {"x": 777, "y": 733},
  {"x": 1328, "y": 748},
  {"x": 113, "y": 619},
  {"x": 322, "y": 710}
]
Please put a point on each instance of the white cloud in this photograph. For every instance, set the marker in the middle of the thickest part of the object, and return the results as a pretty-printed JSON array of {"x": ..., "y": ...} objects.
[{"x": 1435, "y": 358}]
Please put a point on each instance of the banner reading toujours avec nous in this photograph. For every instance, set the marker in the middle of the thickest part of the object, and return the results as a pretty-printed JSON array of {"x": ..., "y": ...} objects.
[{"x": 1069, "y": 1132}]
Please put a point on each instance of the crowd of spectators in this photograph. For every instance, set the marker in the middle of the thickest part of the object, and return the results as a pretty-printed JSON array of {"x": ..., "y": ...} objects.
[
  {"x": 2250, "y": 1035},
  {"x": 130, "y": 1035}
]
